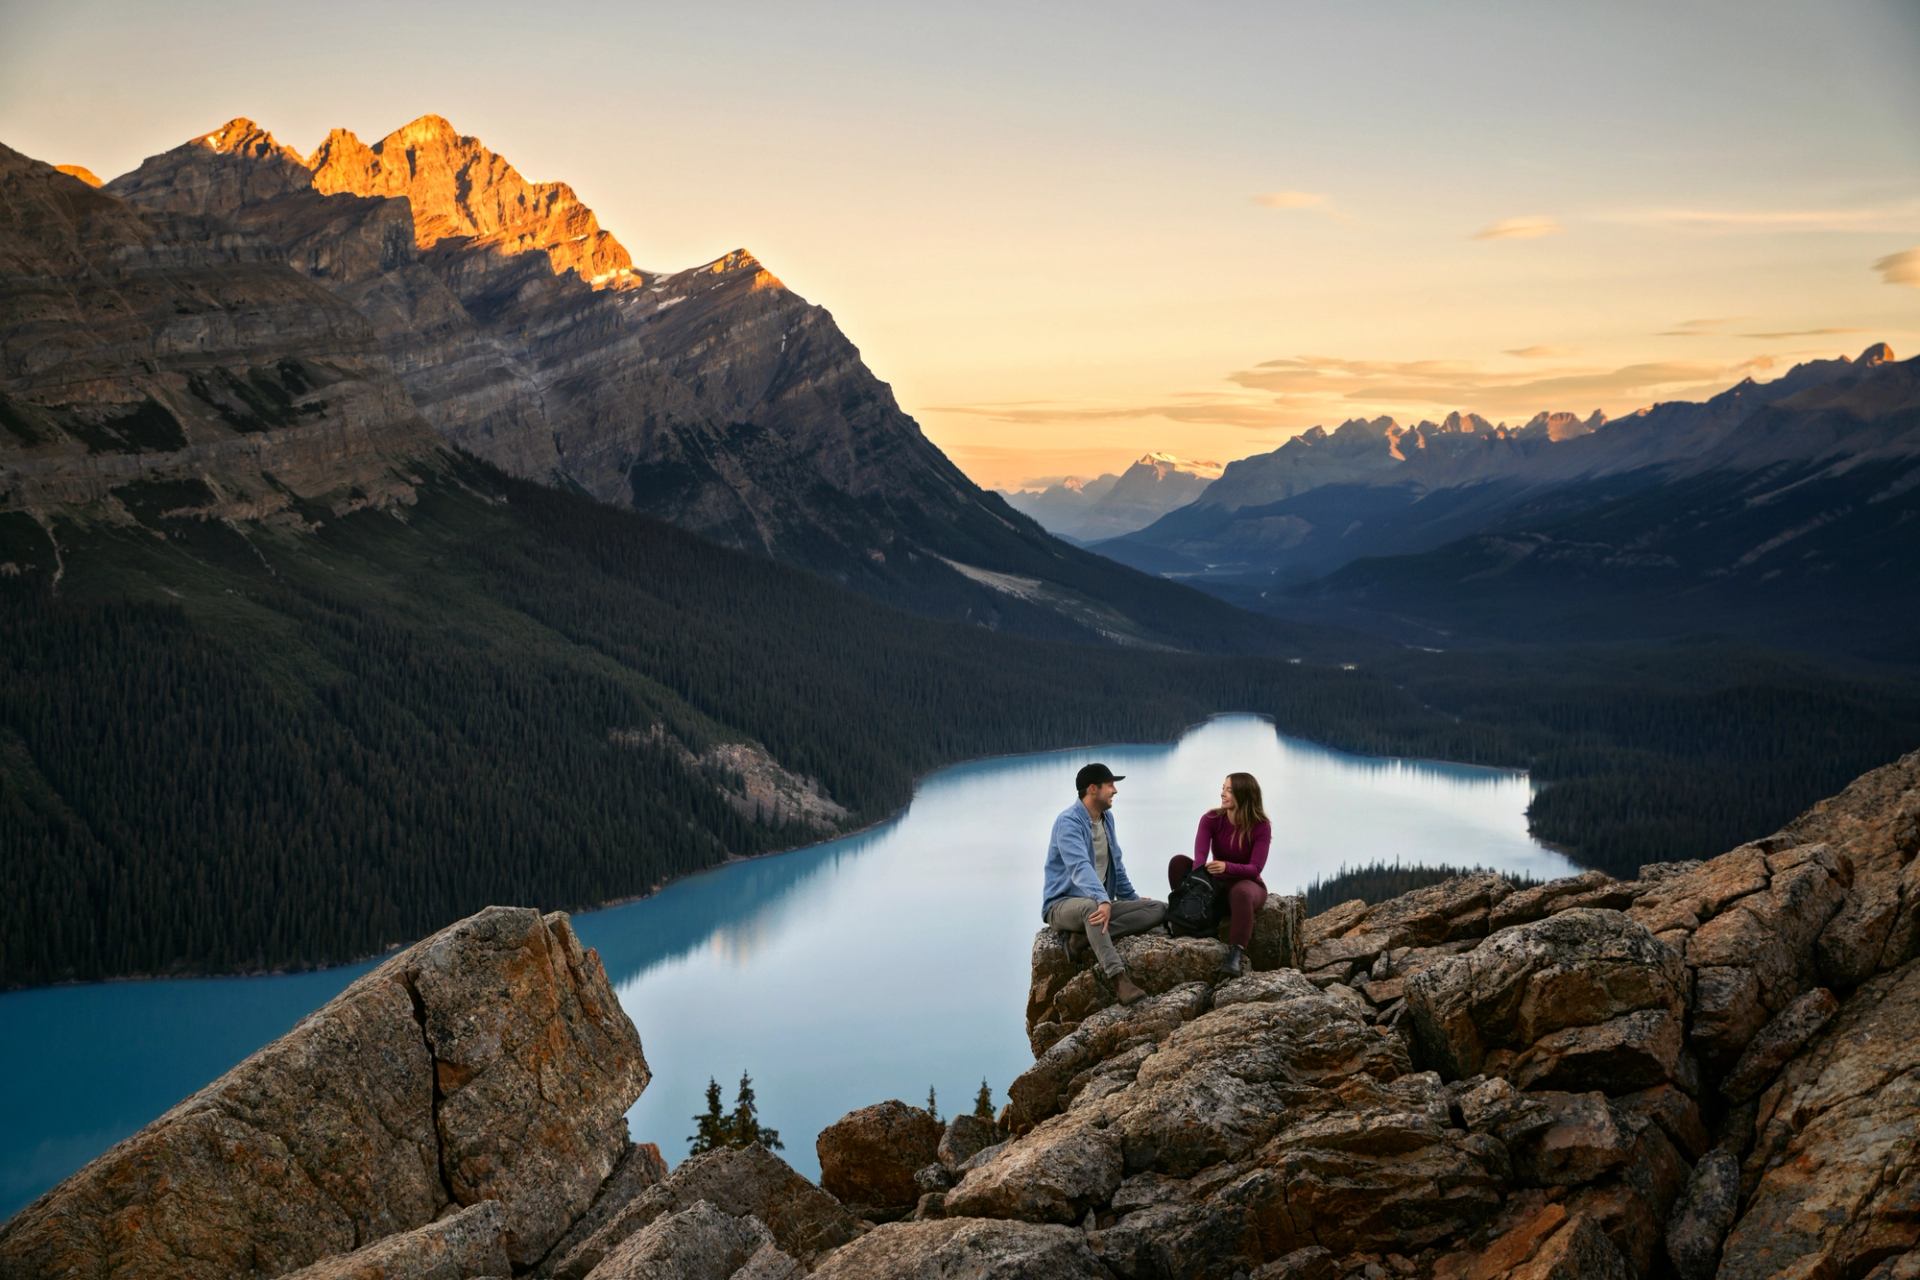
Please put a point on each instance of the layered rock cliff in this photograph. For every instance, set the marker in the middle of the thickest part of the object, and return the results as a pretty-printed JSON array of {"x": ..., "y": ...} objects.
[
  {"x": 713, "y": 397},
  {"x": 160, "y": 348},
  {"x": 1707, "y": 1071}
]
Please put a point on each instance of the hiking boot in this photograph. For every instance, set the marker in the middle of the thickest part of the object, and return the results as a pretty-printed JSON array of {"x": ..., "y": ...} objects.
[
  {"x": 1125, "y": 990},
  {"x": 1235, "y": 964}
]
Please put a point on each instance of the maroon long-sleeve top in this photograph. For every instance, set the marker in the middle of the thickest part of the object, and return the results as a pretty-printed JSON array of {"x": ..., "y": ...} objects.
[{"x": 1219, "y": 839}]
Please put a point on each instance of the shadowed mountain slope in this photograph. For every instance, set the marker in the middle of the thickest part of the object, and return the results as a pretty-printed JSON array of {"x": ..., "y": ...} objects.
[{"x": 715, "y": 397}]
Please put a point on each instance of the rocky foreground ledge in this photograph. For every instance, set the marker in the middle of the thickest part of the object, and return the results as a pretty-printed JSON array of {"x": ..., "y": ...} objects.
[{"x": 1711, "y": 1070}]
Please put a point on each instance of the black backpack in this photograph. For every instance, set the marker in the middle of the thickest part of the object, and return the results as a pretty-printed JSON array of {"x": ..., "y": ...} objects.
[{"x": 1193, "y": 908}]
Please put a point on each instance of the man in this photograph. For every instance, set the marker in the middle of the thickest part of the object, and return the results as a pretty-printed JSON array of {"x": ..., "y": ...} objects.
[{"x": 1087, "y": 891}]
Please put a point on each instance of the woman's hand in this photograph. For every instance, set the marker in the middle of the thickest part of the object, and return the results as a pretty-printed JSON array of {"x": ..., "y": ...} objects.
[{"x": 1215, "y": 867}]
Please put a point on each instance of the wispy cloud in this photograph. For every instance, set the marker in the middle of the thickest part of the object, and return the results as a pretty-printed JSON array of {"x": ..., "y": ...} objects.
[
  {"x": 1527, "y": 228},
  {"x": 1698, "y": 328},
  {"x": 1898, "y": 215},
  {"x": 1332, "y": 384},
  {"x": 1778, "y": 335},
  {"x": 1540, "y": 353},
  {"x": 1214, "y": 411},
  {"x": 1292, "y": 199},
  {"x": 1900, "y": 268},
  {"x": 1310, "y": 201}
]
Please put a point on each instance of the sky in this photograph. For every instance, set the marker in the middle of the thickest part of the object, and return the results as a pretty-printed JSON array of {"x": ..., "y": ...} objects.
[{"x": 1069, "y": 234}]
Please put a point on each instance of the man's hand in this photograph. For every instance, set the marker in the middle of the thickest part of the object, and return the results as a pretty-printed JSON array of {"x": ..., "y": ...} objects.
[
  {"x": 1098, "y": 917},
  {"x": 1215, "y": 867}
]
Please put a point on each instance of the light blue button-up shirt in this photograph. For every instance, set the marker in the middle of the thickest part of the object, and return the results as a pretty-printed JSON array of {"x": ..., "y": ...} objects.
[{"x": 1070, "y": 872}]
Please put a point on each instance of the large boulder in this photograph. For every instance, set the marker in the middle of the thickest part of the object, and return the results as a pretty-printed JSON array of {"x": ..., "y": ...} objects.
[
  {"x": 965, "y": 1249},
  {"x": 966, "y": 1136},
  {"x": 488, "y": 1062},
  {"x": 1836, "y": 1144},
  {"x": 1586, "y": 999},
  {"x": 868, "y": 1158},
  {"x": 1277, "y": 941},
  {"x": 467, "y": 1245},
  {"x": 751, "y": 1182},
  {"x": 535, "y": 1064},
  {"x": 1054, "y": 1174},
  {"x": 700, "y": 1242}
]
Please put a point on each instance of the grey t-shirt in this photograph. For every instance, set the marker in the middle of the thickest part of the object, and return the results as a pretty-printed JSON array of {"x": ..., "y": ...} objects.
[{"x": 1102, "y": 856}]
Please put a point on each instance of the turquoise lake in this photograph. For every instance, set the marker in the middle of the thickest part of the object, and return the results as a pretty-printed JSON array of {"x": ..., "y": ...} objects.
[{"x": 842, "y": 974}]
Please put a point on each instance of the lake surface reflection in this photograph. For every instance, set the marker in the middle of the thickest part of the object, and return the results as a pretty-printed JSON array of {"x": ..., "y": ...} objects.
[{"x": 839, "y": 975}]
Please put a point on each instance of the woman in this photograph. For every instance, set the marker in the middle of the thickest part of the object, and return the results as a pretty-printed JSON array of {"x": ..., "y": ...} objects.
[{"x": 1232, "y": 843}]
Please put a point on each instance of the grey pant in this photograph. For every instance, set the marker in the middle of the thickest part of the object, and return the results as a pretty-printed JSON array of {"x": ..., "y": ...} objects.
[{"x": 1069, "y": 915}]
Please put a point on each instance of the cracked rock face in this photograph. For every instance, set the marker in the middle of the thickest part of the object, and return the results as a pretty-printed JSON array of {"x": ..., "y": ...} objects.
[
  {"x": 374, "y": 1115},
  {"x": 1835, "y": 1166},
  {"x": 1583, "y": 999},
  {"x": 535, "y": 1065}
]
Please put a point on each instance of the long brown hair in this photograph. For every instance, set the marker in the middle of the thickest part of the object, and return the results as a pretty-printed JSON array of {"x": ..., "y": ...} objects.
[{"x": 1248, "y": 810}]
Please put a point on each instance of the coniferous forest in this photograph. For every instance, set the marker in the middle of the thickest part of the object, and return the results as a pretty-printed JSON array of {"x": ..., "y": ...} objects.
[{"x": 236, "y": 748}]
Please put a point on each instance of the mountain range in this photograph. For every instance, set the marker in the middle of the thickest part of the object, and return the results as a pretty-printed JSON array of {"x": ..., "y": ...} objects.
[
  {"x": 1110, "y": 505},
  {"x": 1786, "y": 510},
  {"x": 420, "y": 293},
  {"x": 378, "y": 540}
]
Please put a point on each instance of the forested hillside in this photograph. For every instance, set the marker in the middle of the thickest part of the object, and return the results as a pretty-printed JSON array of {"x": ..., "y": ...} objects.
[{"x": 239, "y": 746}]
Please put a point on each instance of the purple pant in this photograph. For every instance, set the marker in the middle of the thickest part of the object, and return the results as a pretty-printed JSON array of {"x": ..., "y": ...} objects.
[{"x": 1244, "y": 898}]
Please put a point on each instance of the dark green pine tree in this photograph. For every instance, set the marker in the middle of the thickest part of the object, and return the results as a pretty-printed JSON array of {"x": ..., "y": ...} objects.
[
  {"x": 933, "y": 1105},
  {"x": 743, "y": 1126},
  {"x": 713, "y": 1128},
  {"x": 983, "y": 1102}
]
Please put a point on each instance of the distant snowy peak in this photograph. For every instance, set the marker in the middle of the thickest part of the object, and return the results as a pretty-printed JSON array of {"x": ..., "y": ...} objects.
[
  {"x": 1166, "y": 463},
  {"x": 1110, "y": 505}
]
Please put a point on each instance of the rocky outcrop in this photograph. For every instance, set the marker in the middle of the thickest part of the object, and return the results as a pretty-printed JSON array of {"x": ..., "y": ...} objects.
[
  {"x": 1587, "y": 1078},
  {"x": 489, "y": 1063},
  {"x": 1066, "y": 990},
  {"x": 1586, "y": 999},
  {"x": 1567, "y": 1096}
]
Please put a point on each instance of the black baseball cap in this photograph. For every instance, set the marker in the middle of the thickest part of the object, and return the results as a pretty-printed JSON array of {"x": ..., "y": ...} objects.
[{"x": 1091, "y": 774}]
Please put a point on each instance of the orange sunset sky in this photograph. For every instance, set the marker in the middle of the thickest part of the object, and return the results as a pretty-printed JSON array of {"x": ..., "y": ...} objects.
[{"x": 1073, "y": 233}]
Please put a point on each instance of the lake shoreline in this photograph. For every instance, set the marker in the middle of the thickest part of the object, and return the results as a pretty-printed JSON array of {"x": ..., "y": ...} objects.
[{"x": 735, "y": 859}]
